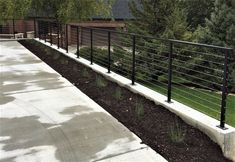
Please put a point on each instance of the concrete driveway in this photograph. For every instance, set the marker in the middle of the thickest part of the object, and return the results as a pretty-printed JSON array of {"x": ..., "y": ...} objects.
[{"x": 44, "y": 118}]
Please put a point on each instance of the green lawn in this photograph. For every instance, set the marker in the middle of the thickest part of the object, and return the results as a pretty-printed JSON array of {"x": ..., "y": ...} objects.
[
  {"x": 201, "y": 100},
  {"x": 204, "y": 101}
]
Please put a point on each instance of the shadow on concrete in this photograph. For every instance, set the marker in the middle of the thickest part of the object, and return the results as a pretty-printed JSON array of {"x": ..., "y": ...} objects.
[
  {"x": 22, "y": 83},
  {"x": 6, "y": 99},
  {"x": 14, "y": 44},
  {"x": 22, "y": 58},
  {"x": 78, "y": 139}
]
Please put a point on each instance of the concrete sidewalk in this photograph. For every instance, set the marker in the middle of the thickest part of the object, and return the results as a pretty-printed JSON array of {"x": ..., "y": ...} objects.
[{"x": 44, "y": 118}]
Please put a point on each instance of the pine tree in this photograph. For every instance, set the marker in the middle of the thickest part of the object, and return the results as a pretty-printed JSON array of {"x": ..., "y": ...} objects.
[
  {"x": 177, "y": 26},
  {"x": 197, "y": 11},
  {"x": 161, "y": 19},
  {"x": 221, "y": 25},
  {"x": 150, "y": 16},
  {"x": 220, "y": 30}
]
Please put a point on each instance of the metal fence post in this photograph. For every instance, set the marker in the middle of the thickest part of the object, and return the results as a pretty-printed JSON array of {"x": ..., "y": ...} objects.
[
  {"x": 224, "y": 91},
  {"x": 78, "y": 42},
  {"x": 39, "y": 31},
  {"x": 133, "y": 60},
  {"x": 109, "y": 51},
  {"x": 58, "y": 35},
  {"x": 62, "y": 36},
  {"x": 45, "y": 30},
  {"x": 169, "y": 73},
  {"x": 13, "y": 21},
  {"x": 34, "y": 25},
  {"x": 51, "y": 33},
  {"x": 67, "y": 38},
  {"x": 91, "y": 34}
]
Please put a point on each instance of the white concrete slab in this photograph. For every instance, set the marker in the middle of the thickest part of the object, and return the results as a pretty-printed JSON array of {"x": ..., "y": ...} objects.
[
  {"x": 44, "y": 118},
  {"x": 224, "y": 138}
]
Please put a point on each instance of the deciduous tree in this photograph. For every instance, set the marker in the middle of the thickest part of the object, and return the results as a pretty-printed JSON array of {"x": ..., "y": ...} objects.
[
  {"x": 13, "y": 9},
  {"x": 61, "y": 10}
]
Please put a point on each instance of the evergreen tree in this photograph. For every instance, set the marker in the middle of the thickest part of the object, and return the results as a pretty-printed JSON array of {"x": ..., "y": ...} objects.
[
  {"x": 150, "y": 20},
  {"x": 220, "y": 30},
  {"x": 161, "y": 19},
  {"x": 177, "y": 26},
  {"x": 150, "y": 16},
  {"x": 197, "y": 12}
]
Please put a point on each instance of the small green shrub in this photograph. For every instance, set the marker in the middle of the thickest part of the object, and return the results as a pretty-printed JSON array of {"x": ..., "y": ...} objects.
[
  {"x": 75, "y": 67},
  {"x": 64, "y": 61},
  {"x": 84, "y": 52},
  {"x": 139, "y": 110},
  {"x": 85, "y": 73},
  {"x": 48, "y": 51},
  {"x": 177, "y": 134},
  {"x": 100, "y": 56},
  {"x": 56, "y": 56},
  {"x": 118, "y": 93},
  {"x": 100, "y": 82}
]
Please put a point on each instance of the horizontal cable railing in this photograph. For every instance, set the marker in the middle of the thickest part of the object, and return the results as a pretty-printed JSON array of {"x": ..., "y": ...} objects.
[{"x": 194, "y": 74}]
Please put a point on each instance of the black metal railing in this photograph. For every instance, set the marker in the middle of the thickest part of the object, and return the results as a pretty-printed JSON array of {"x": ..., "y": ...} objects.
[{"x": 194, "y": 74}]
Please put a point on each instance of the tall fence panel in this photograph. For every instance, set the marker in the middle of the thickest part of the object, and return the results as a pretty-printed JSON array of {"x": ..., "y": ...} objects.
[{"x": 14, "y": 29}]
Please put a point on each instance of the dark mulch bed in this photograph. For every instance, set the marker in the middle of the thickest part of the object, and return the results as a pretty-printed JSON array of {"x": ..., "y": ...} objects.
[{"x": 153, "y": 127}]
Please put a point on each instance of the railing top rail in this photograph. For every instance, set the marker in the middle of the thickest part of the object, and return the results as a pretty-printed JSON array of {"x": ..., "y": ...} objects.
[
  {"x": 200, "y": 44},
  {"x": 151, "y": 37},
  {"x": 161, "y": 39},
  {"x": 126, "y": 33}
]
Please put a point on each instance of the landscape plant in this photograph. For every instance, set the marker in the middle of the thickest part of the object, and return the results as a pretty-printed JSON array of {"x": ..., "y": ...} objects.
[
  {"x": 85, "y": 73},
  {"x": 118, "y": 94},
  {"x": 176, "y": 133},
  {"x": 100, "y": 82},
  {"x": 139, "y": 110},
  {"x": 99, "y": 55}
]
